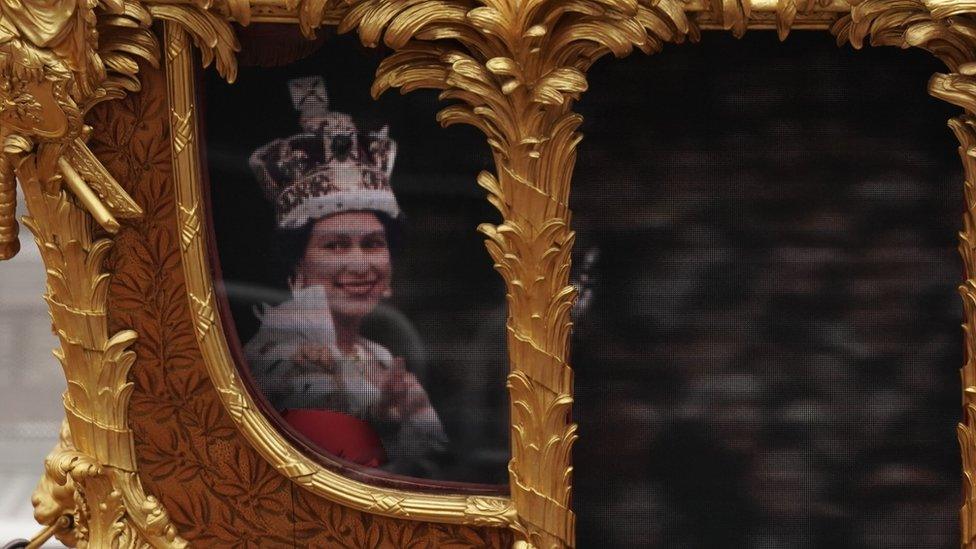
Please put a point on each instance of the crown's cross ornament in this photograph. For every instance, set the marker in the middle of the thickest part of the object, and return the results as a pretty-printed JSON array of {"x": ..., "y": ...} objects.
[{"x": 310, "y": 98}]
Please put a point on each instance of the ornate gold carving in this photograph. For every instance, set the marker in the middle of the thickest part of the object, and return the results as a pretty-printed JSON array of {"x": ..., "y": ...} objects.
[
  {"x": 780, "y": 15},
  {"x": 965, "y": 131},
  {"x": 211, "y": 33},
  {"x": 189, "y": 218},
  {"x": 943, "y": 28},
  {"x": 204, "y": 313},
  {"x": 706, "y": 14},
  {"x": 513, "y": 69},
  {"x": 56, "y": 496},
  {"x": 116, "y": 201},
  {"x": 52, "y": 70},
  {"x": 483, "y": 511},
  {"x": 785, "y": 15},
  {"x": 175, "y": 46},
  {"x": 182, "y": 129},
  {"x": 57, "y": 60},
  {"x": 236, "y": 405},
  {"x": 100, "y": 467},
  {"x": 520, "y": 71},
  {"x": 9, "y": 244},
  {"x": 388, "y": 504},
  {"x": 734, "y": 15}
]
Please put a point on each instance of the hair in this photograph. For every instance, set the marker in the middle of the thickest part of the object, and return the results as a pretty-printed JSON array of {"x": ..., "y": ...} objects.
[{"x": 289, "y": 245}]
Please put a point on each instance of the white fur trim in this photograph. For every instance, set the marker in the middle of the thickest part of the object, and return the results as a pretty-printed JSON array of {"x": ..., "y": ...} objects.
[{"x": 317, "y": 207}]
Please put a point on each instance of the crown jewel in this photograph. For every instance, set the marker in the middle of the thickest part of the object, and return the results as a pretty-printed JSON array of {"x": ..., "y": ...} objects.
[{"x": 329, "y": 167}]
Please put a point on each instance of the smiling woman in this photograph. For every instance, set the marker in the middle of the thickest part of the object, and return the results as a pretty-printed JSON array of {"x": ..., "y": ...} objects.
[
  {"x": 346, "y": 394},
  {"x": 363, "y": 311}
]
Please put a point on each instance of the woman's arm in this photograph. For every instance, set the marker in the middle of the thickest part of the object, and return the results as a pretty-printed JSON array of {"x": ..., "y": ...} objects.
[
  {"x": 417, "y": 440},
  {"x": 287, "y": 373}
]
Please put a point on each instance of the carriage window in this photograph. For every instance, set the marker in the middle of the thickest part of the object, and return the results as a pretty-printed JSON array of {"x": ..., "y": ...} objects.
[{"x": 369, "y": 317}]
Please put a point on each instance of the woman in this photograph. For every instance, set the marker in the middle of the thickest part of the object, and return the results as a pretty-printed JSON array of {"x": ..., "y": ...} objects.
[{"x": 334, "y": 204}]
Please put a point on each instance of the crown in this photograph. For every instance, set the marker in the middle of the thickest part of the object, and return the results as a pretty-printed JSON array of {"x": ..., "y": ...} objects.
[{"x": 327, "y": 168}]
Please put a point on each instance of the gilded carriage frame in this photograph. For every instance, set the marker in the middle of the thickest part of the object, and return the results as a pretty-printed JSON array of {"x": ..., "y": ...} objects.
[{"x": 512, "y": 69}]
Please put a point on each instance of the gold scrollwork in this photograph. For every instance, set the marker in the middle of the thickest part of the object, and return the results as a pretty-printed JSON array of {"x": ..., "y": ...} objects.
[
  {"x": 513, "y": 69},
  {"x": 57, "y": 60},
  {"x": 97, "y": 467}
]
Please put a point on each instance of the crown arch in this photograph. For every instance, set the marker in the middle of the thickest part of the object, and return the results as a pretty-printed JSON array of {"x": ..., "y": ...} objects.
[{"x": 511, "y": 69}]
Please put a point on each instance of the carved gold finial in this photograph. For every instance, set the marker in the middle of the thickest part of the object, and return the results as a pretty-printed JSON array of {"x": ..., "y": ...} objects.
[
  {"x": 516, "y": 78},
  {"x": 57, "y": 60},
  {"x": 513, "y": 69},
  {"x": 9, "y": 242}
]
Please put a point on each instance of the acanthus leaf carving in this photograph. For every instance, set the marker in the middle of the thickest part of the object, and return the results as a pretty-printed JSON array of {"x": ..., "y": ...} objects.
[
  {"x": 97, "y": 462},
  {"x": 785, "y": 15},
  {"x": 212, "y": 34},
  {"x": 58, "y": 60},
  {"x": 964, "y": 127},
  {"x": 511, "y": 68},
  {"x": 54, "y": 71},
  {"x": 521, "y": 67}
]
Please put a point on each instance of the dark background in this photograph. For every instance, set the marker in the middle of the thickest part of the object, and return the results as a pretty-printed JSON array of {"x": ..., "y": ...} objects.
[{"x": 771, "y": 354}]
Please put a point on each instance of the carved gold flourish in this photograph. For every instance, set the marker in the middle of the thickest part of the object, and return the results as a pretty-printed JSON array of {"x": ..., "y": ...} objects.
[
  {"x": 519, "y": 70},
  {"x": 92, "y": 477},
  {"x": 56, "y": 495},
  {"x": 966, "y": 430},
  {"x": 57, "y": 60},
  {"x": 513, "y": 69}
]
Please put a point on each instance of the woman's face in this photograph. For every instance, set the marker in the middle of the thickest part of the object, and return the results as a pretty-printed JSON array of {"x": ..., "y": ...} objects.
[{"x": 347, "y": 254}]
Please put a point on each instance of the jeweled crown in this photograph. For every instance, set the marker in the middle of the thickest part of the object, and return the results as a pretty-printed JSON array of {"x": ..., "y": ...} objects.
[{"x": 327, "y": 168}]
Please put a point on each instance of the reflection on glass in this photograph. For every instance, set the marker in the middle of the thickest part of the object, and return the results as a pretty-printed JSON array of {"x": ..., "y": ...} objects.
[{"x": 337, "y": 214}]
